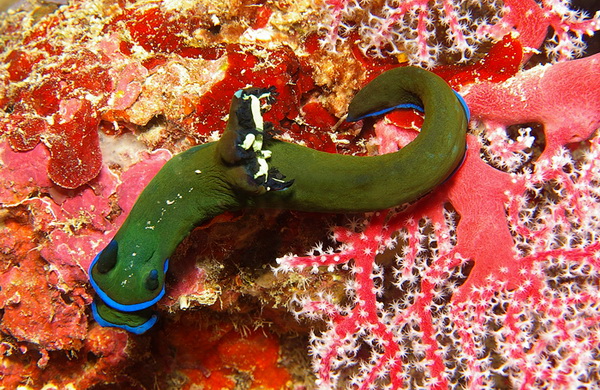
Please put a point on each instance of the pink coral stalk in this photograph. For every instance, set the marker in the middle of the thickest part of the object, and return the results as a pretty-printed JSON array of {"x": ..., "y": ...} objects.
[{"x": 562, "y": 97}]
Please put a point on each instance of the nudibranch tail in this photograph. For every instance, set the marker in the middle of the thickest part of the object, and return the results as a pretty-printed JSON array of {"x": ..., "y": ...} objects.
[
  {"x": 464, "y": 105},
  {"x": 340, "y": 183},
  {"x": 416, "y": 106},
  {"x": 247, "y": 167}
]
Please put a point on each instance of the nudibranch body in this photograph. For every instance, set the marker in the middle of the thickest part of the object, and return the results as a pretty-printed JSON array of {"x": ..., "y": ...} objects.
[{"x": 248, "y": 168}]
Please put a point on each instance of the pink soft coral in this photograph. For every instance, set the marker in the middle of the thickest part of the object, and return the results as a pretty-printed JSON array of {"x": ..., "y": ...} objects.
[
  {"x": 493, "y": 275},
  {"x": 413, "y": 27}
]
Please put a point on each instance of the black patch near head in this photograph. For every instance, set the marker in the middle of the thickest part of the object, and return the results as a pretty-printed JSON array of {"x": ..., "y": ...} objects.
[
  {"x": 151, "y": 282},
  {"x": 244, "y": 117},
  {"x": 107, "y": 259}
]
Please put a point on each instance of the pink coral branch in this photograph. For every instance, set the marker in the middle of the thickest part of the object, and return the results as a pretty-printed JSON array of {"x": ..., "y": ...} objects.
[
  {"x": 568, "y": 106},
  {"x": 569, "y": 27},
  {"x": 331, "y": 27}
]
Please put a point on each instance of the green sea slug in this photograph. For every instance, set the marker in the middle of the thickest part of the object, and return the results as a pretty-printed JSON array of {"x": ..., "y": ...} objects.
[{"x": 248, "y": 168}]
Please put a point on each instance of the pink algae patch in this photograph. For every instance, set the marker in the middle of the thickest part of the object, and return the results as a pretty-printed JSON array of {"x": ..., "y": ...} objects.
[
  {"x": 49, "y": 238},
  {"x": 138, "y": 176},
  {"x": 83, "y": 217},
  {"x": 33, "y": 307},
  {"x": 22, "y": 173}
]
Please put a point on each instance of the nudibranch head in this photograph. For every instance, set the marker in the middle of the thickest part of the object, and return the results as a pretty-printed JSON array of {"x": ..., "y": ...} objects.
[
  {"x": 130, "y": 276},
  {"x": 135, "y": 322}
]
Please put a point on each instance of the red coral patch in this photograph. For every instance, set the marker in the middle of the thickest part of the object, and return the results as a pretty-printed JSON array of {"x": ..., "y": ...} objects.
[
  {"x": 60, "y": 109},
  {"x": 280, "y": 68},
  {"x": 500, "y": 63},
  {"x": 223, "y": 353},
  {"x": 160, "y": 31},
  {"x": 20, "y": 64},
  {"x": 45, "y": 97},
  {"x": 262, "y": 17},
  {"x": 74, "y": 146},
  {"x": 24, "y": 132}
]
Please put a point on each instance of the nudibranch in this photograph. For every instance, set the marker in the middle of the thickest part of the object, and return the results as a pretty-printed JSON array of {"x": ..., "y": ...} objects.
[{"x": 247, "y": 168}]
